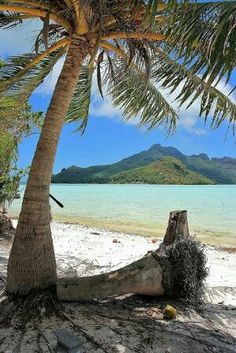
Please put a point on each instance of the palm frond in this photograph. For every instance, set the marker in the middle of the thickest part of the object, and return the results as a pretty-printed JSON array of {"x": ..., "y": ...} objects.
[
  {"x": 79, "y": 107},
  {"x": 139, "y": 53},
  {"x": 99, "y": 76},
  {"x": 213, "y": 104},
  {"x": 130, "y": 91},
  {"x": 44, "y": 40},
  {"x": 12, "y": 79},
  {"x": 15, "y": 99},
  {"x": 203, "y": 36},
  {"x": 9, "y": 20},
  {"x": 134, "y": 52}
]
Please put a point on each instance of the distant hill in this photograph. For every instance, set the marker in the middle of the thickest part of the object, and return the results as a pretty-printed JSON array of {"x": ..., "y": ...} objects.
[
  {"x": 215, "y": 170},
  {"x": 168, "y": 170}
]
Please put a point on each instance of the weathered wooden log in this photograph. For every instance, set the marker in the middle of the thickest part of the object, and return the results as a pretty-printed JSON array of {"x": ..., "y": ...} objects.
[
  {"x": 143, "y": 276},
  {"x": 151, "y": 275}
]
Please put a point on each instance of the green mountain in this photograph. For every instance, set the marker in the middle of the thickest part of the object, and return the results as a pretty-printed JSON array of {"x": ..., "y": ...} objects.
[
  {"x": 218, "y": 170},
  {"x": 168, "y": 170}
]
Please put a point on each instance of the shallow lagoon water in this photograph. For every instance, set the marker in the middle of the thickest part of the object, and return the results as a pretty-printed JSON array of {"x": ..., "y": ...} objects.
[{"x": 144, "y": 209}]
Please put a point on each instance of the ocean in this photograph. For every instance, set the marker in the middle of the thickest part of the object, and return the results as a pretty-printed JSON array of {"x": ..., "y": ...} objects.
[{"x": 144, "y": 209}]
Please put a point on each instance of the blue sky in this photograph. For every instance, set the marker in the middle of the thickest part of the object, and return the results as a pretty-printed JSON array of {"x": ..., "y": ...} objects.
[{"x": 108, "y": 138}]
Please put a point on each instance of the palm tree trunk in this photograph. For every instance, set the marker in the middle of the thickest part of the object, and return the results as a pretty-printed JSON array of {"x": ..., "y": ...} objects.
[{"x": 32, "y": 262}]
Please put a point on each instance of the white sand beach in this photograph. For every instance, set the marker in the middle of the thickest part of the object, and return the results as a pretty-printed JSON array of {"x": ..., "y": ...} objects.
[
  {"x": 127, "y": 326},
  {"x": 82, "y": 251}
]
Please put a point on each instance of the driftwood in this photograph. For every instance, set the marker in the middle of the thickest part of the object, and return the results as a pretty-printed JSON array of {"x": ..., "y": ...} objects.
[
  {"x": 155, "y": 274},
  {"x": 143, "y": 276}
]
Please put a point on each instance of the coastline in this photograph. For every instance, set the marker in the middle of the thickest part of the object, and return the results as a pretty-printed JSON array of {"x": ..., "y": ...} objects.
[
  {"x": 217, "y": 239},
  {"x": 144, "y": 209}
]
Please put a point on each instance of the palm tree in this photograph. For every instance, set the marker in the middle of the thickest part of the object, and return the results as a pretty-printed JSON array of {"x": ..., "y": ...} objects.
[{"x": 132, "y": 45}]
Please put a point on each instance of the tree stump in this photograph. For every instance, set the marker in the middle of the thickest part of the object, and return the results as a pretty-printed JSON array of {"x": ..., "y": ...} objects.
[
  {"x": 177, "y": 227},
  {"x": 178, "y": 261}
]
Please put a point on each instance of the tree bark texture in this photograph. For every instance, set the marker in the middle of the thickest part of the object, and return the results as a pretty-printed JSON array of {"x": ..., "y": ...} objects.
[
  {"x": 144, "y": 276},
  {"x": 177, "y": 227},
  {"x": 32, "y": 261}
]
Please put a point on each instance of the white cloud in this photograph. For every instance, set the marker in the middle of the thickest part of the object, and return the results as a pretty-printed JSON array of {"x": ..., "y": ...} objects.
[
  {"x": 48, "y": 85},
  {"x": 20, "y": 39},
  {"x": 103, "y": 107}
]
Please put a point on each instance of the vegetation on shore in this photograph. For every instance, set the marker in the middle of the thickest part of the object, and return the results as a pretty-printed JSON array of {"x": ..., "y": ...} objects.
[{"x": 17, "y": 122}]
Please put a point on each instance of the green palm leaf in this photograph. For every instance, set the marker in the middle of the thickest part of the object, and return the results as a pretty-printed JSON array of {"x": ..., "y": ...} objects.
[
  {"x": 79, "y": 107},
  {"x": 138, "y": 97},
  {"x": 15, "y": 77},
  {"x": 213, "y": 103},
  {"x": 203, "y": 35},
  {"x": 16, "y": 97}
]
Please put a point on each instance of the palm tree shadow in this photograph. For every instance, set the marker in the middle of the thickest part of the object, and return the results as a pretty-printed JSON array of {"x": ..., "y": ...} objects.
[{"x": 138, "y": 323}]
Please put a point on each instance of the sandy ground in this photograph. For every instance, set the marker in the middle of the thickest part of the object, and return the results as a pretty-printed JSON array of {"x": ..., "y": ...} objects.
[
  {"x": 131, "y": 324},
  {"x": 84, "y": 251}
]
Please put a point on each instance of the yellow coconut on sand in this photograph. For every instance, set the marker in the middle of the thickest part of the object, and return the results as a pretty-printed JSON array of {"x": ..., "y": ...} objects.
[{"x": 169, "y": 312}]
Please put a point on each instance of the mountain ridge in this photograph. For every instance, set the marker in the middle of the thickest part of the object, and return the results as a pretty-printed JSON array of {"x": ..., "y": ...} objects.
[{"x": 217, "y": 170}]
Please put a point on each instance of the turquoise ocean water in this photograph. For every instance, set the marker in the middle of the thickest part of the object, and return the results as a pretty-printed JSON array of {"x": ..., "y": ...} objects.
[{"x": 144, "y": 209}]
